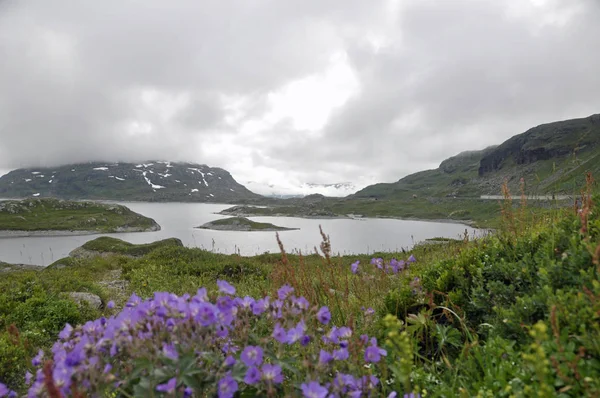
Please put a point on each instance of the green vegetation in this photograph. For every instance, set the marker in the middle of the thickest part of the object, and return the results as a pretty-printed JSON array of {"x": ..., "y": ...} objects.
[
  {"x": 241, "y": 224},
  {"x": 516, "y": 313},
  {"x": 108, "y": 244},
  {"x": 59, "y": 215}
]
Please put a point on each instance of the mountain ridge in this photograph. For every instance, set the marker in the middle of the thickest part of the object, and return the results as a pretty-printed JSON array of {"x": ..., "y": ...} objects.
[
  {"x": 549, "y": 158},
  {"x": 160, "y": 181}
]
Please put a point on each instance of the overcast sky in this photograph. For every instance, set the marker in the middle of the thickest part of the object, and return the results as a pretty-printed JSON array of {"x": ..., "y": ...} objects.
[{"x": 298, "y": 90}]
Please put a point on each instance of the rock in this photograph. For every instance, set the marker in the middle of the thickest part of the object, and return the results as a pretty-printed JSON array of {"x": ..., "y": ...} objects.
[{"x": 91, "y": 299}]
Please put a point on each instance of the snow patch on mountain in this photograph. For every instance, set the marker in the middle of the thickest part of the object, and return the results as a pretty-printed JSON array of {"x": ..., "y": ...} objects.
[{"x": 287, "y": 189}]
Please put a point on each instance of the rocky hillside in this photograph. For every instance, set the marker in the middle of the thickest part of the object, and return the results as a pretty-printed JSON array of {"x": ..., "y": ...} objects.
[
  {"x": 551, "y": 158},
  {"x": 150, "y": 181}
]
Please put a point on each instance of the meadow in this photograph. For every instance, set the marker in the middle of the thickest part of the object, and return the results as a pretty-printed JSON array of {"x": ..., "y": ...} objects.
[{"x": 512, "y": 314}]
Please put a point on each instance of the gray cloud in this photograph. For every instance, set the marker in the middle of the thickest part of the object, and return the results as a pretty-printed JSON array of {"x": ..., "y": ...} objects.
[{"x": 132, "y": 80}]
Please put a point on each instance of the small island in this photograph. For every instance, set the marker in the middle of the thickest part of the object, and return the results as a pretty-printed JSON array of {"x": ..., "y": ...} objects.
[
  {"x": 242, "y": 224},
  {"x": 53, "y": 217}
]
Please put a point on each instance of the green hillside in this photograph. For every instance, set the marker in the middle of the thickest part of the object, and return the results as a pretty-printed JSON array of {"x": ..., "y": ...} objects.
[{"x": 551, "y": 159}]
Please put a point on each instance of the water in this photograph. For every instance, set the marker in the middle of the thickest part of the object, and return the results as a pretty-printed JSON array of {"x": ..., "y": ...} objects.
[{"x": 179, "y": 219}]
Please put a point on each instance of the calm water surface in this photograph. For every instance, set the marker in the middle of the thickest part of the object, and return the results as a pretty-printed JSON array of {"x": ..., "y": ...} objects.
[{"x": 179, "y": 219}]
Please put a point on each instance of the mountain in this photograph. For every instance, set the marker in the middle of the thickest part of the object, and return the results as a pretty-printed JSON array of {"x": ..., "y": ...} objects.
[
  {"x": 289, "y": 189},
  {"x": 551, "y": 159},
  {"x": 150, "y": 181}
]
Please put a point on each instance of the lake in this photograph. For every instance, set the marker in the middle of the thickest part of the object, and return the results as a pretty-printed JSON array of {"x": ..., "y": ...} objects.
[{"x": 348, "y": 236}]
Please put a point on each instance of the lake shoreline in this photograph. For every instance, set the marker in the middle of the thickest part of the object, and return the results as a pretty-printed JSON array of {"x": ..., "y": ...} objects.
[{"x": 50, "y": 233}]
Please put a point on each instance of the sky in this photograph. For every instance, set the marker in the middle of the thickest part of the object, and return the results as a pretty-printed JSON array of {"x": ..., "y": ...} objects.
[{"x": 288, "y": 92}]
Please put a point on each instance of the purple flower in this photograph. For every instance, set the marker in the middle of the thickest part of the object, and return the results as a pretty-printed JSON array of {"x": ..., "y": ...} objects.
[
  {"x": 28, "y": 377},
  {"x": 301, "y": 303},
  {"x": 304, "y": 340},
  {"x": 66, "y": 332},
  {"x": 107, "y": 368},
  {"x": 229, "y": 361},
  {"x": 37, "y": 360},
  {"x": 252, "y": 355},
  {"x": 260, "y": 306},
  {"x": 411, "y": 259},
  {"x": 344, "y": 332},
  {"x": 279, "y": 334},
  {"x": 323, "y": 315},
  {"x": 252, "y": 376},
  {"x": 225, "y": 287},
  {"x": 296, "y": 333},
  {"x": 412, "y": 395},
  {"x": 372, "y": 354},
  {"x": 110, "y": 305},
  {"x": 354, "y": 267},
  {"x": 170, "y": 351},
  {"x": 378, "y": 262},
  {"x": 284, "y": 291},
  {"x": 188, "y": 392},
  {"x": 246, "y": 302},
  {"x": 206, "y": 314},
  {"x": 4, "y": 391},
  {"x": 325, "y": 358},
  {"x": 313, "y": 390},
  {"x": 272, "y": 373},
  {"x": 393, "y": 394},
  {"x": 340, "y": 354},
  {"x": 227, "y": 387},
  {"x": 168, "y": 387}
]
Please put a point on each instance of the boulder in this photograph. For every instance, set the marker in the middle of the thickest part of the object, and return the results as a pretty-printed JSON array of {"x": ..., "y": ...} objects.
[{"x": 91, "y": 299}]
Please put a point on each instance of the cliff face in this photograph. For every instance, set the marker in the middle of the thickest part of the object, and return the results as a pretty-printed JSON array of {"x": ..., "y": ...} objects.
[{"x": 544, "y": 142}]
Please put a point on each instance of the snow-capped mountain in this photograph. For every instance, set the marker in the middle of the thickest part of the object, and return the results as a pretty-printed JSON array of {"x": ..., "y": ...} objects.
[
  {"x": 287, "y": 189},
  {"x": 148, "y": 181}
]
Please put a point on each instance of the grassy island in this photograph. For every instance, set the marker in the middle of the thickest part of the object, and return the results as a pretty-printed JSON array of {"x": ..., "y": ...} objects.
[
  {"x": 30, "y": 217},
  {"x": 242, "y": 224}
]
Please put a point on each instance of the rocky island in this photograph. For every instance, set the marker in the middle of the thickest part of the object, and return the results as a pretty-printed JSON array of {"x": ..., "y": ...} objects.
[
  {"x": 53, "y": 217},
  {"x": 242, "y": 224}
]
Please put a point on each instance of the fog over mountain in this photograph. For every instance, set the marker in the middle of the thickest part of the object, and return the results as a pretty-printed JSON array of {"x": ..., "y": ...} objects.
[{"x": 302, "y": 91}]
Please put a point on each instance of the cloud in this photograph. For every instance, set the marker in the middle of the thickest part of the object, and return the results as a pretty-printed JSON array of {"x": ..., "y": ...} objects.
[{"x": 308, "y": 91}]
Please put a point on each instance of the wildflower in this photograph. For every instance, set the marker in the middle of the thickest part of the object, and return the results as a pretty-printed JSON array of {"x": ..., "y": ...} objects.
[
  {"x": 304, "y": 340},
  {"x": 300, "y": 302},
  {"x": 260, "y": 306},
  {"x": 393, "y": 394},
  {"x": 227, "y": 387},
  {"x": 272, "y": 373},
  {"x": 4, "y": 391},
  {"x": 168, "y": 387},
  {"x": 344, "y": 332},
  {"x": 229, "y": 361},
  {"x": 246, "y": 302},
  {"x": 28, "y": 377},
  {"x": 107, "y": 368},
  {"x": 252, "y": 376},
  {"x": 313, "y": 390},
  {"x": 325, "y": 358},
  {"x": 341, "y": 354},
  {"x": 110, "y": 305},
  {"x": 279, "y": 334},
  {"x": 225, "y": 287},
  {"x": 323, "y": 315},
  {"x": 412, "y": 259},
  {"x": 354, "y": 267},
  {"x": 37, "y": 360},
  {"x": 378, "y": 262},
  {"x": 252, "y": 355},
  {"x": 188, "y": 392},
  {"x": 284, "y": 292},
  {"x": 170, "y": 351},
  {"x": 412, "y": 395},
  {"x": 66, "y": 332}
]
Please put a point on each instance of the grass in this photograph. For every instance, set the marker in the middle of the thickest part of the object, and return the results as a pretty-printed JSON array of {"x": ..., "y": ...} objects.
[
  {"x": 59, "y": 215},
  {"x": 511, "y": 314}
]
